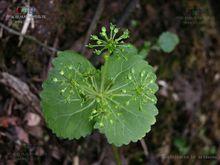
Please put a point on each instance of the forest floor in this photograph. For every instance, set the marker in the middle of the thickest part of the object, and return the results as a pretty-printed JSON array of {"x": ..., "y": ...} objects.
[{"x": 188, "y": 125}]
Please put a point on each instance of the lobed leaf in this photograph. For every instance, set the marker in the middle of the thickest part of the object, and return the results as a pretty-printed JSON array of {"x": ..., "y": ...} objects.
[
  {"x": 130, "y": 109},
  {"x": 119, "y": 100},
  {"x": 65, "y": 104}
]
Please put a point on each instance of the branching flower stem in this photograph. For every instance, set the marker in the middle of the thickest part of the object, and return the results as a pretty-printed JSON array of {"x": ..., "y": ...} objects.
[{"x": 106, "y": 56}]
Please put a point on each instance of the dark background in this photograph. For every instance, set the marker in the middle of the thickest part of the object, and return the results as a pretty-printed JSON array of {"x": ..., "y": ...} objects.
[{"x": 188, "y": 126}]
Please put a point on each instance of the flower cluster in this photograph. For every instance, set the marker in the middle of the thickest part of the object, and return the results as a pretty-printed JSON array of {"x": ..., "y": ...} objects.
[{"x": 108, "y": 42}]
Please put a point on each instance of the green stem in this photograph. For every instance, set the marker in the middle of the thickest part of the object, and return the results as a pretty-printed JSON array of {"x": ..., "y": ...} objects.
[
  {"x": 116, "y": 155},
  {"x": 106, "y": 56}
]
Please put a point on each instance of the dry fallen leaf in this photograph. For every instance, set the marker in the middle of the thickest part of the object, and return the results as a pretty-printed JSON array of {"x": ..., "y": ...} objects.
[
  {"x": 35, "y": 131},
  {"x": 39, "y": 151},
  {"x": 56, "y": 153},
  {"x": 6, "y": 121},
  {"x": 22, "y": 135},
  {"x": 32, "y": 119}
]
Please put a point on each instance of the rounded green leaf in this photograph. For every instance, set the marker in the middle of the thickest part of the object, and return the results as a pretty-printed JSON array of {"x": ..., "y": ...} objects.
[
  {"x": 168, "y": 41},
  {"x": 65, "y": 98},
  {"x": 129, "y": 102}
]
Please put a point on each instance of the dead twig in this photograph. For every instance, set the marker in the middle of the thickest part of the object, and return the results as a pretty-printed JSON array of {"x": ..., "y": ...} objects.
[
  {"x": 12, "y": 31},
  {"x": 28, "y": 20},
  {"x": 128, "y": 10},
  {"x": 75, "y": 160},
  {"x": 101, "y": 158},
  {"x": 144, "y": 146},
  {"x": 20, "y": 91},
  {"x": 215, "y": 6},
  {"x": 93, "y": 25}
]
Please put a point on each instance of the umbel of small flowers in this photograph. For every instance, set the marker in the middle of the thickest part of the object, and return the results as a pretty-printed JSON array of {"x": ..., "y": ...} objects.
[{"x": 108, "y": 42}]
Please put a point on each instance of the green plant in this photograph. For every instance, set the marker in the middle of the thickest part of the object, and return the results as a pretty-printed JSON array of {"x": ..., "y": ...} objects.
[
  {"x": 166, "y": 43},
  {"x": 118, "y": 100},
  {"x": 181, "y": 145}
]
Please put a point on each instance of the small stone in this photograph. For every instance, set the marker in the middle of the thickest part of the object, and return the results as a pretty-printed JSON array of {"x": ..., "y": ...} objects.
[{"x": 32, "y": 119}]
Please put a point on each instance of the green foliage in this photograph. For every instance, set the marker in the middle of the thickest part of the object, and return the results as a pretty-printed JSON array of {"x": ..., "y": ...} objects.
[
  {"x": 181, "y": 145},
  {"x": 168, "y": 41},
  {"x": 118, "y": 100},
  {"x": 145, "y": 50},
  {"x": 209, "y": 150},
  {"x": 108, "y": 42}
]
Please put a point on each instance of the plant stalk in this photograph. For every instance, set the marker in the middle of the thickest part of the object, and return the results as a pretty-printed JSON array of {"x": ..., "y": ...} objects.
[
  {"x": 116, "y": 155},
  {"x": 106, "y": 56}
]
